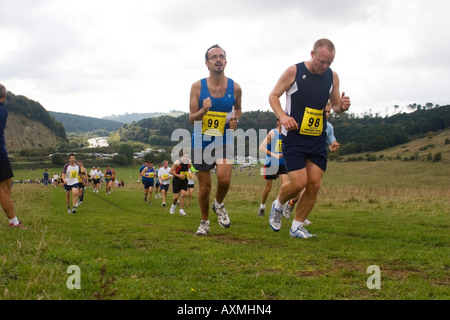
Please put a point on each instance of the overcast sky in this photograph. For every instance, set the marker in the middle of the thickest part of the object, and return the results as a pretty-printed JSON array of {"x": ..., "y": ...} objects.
[{"x": 97, "y": 58}]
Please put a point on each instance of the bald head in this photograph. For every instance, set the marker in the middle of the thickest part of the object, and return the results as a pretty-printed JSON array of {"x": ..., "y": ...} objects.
[
  {"x": 2, "y": 92},
  {"x": 324, "y": 43}
]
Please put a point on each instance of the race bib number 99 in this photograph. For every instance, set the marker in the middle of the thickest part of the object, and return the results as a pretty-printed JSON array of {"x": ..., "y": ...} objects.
[
  {"x": 214, "y": 123},
  {"x": 312, "y": 124}
]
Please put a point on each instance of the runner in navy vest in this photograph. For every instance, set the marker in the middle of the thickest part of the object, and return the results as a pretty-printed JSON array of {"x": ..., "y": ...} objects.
[
  {"x": 308, "y": 86},
  {"x": 6, "y": 172},
  {"x": 333, "y": 146}
]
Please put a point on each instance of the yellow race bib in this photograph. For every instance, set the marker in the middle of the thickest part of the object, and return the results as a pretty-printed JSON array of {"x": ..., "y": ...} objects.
[
  {"x": 278, "y": 148},
  {"x": 184, "y": 173},
  {"x": 165, "y": 176},
  {"x": 214, "y": 123},
  {"x": 73, "y": 174},
  {"x": 312, "y": 124}
]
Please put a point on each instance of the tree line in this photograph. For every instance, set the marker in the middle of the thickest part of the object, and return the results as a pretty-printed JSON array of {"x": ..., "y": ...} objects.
[
  {"x": 358, "y": 135},
  {"x": 354, "y": 134},
  {"x": 82, "y": 124},
  {"x": 366, "y": 134}
]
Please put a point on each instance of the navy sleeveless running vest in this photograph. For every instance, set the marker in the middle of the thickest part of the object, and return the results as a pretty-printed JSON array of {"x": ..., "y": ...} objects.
[{"x": 306, "y": 100}]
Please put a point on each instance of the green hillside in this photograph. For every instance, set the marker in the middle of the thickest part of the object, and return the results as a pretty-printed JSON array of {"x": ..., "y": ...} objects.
[
  {"x": 34, "y": 111},
  {"x": 76, "y": 123}
]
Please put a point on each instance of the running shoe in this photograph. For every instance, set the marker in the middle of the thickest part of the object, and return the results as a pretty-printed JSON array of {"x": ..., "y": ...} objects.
[
  {"x": 222, "y": 216},
  {"x": 74, "y": 210},
  {"x": 261, "y": 212},
  {"x": 163, "y": 204},
  {"x": 287, "y": 211},
  {"x": 203, "y": 229},
  {"x": 300, "y": 233},
  {"x": 182, "y": 212},
  {"x": 68, "y": 210},
  {"x": 172, "y": 209},
  {"x": 275, "y": 218},
  {"x": 18, "y": 226}
]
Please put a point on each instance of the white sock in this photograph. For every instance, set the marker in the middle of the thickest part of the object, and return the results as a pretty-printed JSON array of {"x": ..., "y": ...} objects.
[
  {"x": 217, "y": 205},
  {"x": 14, "y": 221},
  {"x": 262, "y": 206},
  {"x": 296, "y": 224},
  {"x": 278, "y": 204}
]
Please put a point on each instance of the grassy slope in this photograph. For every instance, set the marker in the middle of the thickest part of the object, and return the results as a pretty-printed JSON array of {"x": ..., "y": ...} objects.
[{"x": 391, "y": 214}]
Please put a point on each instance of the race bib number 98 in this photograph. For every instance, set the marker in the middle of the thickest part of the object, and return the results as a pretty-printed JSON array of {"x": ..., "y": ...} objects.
[{"x": 312, "y": 124}]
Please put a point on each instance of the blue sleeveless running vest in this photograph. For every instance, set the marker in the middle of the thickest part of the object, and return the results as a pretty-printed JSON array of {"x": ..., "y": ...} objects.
[
  {"x": 216, "y": 121},
  {"x": 306, "y": 100},
  {"x": 108, "y": 175},
  {"x": 147, "y": 175},
  {"x": 275, "y": 146}
]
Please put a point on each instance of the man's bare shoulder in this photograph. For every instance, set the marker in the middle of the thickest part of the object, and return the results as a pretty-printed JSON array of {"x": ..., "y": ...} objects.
[
  {"x": 197, "y": 84},
  {"x": 196, "y": 88},
  {"x": 237, "y": 87}
]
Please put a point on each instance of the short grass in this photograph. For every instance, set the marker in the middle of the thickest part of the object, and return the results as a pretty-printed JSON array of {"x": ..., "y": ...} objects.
[{"x": 391, "y": 214}]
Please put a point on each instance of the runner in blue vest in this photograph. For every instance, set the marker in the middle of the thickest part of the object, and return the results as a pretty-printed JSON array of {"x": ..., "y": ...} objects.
[
  {"x": 274, "y": 166},
  {"x": 148, "y": 179},
  {"x": 215, "y": 107}
]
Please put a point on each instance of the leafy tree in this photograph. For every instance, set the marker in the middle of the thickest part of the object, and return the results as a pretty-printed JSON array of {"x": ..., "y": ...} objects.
[
  {"x": 120, "y": 160},
  {"x": 127, "y": 152},
  {"x": 58, "y": 159}
]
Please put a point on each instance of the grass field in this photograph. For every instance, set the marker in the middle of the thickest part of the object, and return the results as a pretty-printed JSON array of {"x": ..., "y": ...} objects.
[{"x": 395, "y": 215}]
